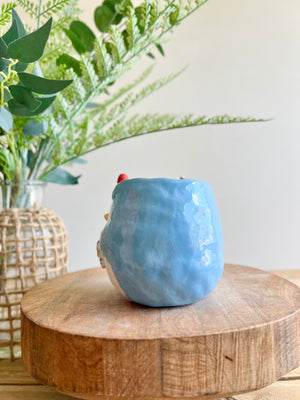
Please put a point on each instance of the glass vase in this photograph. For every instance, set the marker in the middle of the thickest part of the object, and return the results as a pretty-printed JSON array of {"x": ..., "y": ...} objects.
[
  {"x": 33, "y": 248},
  {"x": 26, "y": 194}
]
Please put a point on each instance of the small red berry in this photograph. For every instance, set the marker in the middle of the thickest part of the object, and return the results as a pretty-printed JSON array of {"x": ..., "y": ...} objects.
[{"x": 122, "y": 177}]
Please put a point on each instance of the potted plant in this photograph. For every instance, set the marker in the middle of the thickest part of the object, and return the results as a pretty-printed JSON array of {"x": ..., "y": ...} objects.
[{"x": 33, "y": 240}]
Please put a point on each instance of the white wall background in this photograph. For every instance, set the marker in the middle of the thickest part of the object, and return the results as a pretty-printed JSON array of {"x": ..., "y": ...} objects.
[{"x": 243, "y": 59}]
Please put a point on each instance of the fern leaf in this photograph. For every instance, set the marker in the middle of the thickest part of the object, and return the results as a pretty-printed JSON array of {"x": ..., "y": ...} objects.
[
  {"x": 89, "y": 73},
  {"x": 82, "y": 144},
  {"x": 5, "y": 11},
  {"x": 141, "y": 125},
  {"x": 77, "y": 87},
  {"x": 117, "y": 45},
  {"x": 29, "y": 7},
  {"x": 107, "y": 115},
  {"x": 145, "y": 92},
  {"x": 154, "y": 12},
  {"x": 132, "y": 29},
  {"x": 145, "y": 12},
  {"x": 53, "y": 7},
  {"x": 103, "y": 59},
  {"x": 53, "y": 125},
  {"x": 64, "y": 107},
  {"x": 121, "y": 92}
]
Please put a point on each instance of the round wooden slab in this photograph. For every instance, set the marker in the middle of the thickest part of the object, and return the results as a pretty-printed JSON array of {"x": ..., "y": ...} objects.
[{"x": 80, "y": 337}]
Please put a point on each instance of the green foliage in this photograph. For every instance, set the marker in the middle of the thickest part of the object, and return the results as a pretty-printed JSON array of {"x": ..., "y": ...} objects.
[
  {"x": 46, "y": 11},
  {"x": 6, "y": 120},
  {"x": 7, "y": 164},
  {"x": 42, "y": 85},
  {"x": 43, "y": 131},
  {"x": 21, "y": 95},
  {"x": 61, "y": 176},
  {"x": 81, "y": 36},
  {"x": 5, "y": 12},
  {"x": 35, "y": 128},
  {"x": 29, "y": 48},
  {"x": 111, "y": 12}
]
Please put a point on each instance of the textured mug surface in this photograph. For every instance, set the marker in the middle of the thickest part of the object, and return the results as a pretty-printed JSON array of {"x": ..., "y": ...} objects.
[{"x": 163, "y": 241}]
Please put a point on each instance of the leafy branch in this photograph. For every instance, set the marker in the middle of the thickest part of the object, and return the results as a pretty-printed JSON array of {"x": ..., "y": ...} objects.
[
  {"x": 39, "y": 10},
  {"x": 90, "y": 113},
  {"x": 5, "y": 12}
]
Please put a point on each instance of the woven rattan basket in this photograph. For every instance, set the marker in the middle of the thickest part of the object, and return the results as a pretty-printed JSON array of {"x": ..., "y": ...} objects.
[{"x": 33, "y": 248}]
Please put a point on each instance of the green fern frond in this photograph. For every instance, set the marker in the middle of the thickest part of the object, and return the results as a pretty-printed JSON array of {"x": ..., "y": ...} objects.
[
  {"x": 53, "y": 7},
  {"x": 5, "y": 11},
  {"x": 89, "y": 75},
  {"x": 29, "y": 7},
  {"x": 117, "y": 44},
  {"x": 103, "y": 59},
  {"x": 121, "y": 92},
  {"x": 132, "y": 29},
  {"x": 150, "y": 123},
  {"x": 63, "y": 107},
  {"x": 53, "y": 125},
  {"x": 81, "y": 144},
  {"x": 145, "y": 13},
  {"x": 77, "y": 87},
  {"x": 107, "y": 115},
  {"x": 154, "y": 12}
]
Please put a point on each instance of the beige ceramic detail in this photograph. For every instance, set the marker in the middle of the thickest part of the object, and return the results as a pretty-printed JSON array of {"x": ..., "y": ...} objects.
[{"x": 105, "y": 264}]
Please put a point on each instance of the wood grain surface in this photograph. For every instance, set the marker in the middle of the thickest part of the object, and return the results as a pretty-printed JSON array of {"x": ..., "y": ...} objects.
[
  {"x": 17, "y": 384},
  {"x": 82, "y": 338}
]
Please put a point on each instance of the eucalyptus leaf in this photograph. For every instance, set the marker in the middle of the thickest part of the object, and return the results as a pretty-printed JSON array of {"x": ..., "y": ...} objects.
[
  {"x": 22, "y": 111},
  {"x": 37, "y": 70},
  {"x": 24, "y": 96},
  {"x": 78, "y": 160},
  {"x": 30, "y": 157},
  {"x": 92, "y": 104},
  {"x": 103, "y": 17},
  {"x": 4, "y": 64},
  {"x": 16, "y": 18},
  {"x": 12, "y": 34},
  {"x": 35, "y": 128},
  {"x": 84, "y": 34},
  {"x": 30, "y": 48},
  {"x": 3, "y": 48},
  {"x": 7, "y": 164},
  {"x": 62, "y": 177},
  {"x": 42, "y": 85},
  {"x": 76, "y": 42},
  {"x": 7, "y": 96},
  {"x": 69, "y": 62},
  {"x": 20, "y": 66},
  {"x": 118, "y": 8},
  {"x": 6, "y": 120}
]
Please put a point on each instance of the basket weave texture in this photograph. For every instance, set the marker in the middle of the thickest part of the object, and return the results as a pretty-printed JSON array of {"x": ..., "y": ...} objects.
[{"x": 33, "y": 248}]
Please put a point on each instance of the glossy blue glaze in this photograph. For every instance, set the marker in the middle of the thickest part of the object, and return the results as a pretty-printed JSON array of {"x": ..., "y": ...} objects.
[{"x": 164, "y": 241}]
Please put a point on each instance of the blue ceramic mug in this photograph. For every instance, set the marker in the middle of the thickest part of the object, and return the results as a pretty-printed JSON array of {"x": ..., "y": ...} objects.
[{"x": 163, "y": 242}]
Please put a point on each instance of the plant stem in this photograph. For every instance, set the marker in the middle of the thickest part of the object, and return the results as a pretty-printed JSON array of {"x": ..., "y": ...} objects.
[
  {"x": 39, "y": 14},
  {"x": 39, "y": 158},
  {"x": 5, "y": 79}
]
